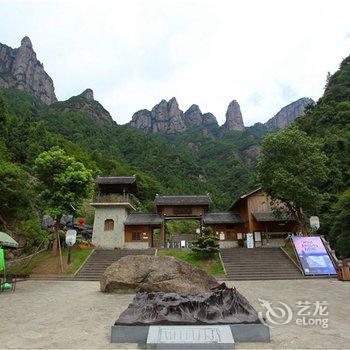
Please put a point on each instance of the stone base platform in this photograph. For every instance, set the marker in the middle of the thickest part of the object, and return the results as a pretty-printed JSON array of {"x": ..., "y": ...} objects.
[{"x": 253, "y": 332}]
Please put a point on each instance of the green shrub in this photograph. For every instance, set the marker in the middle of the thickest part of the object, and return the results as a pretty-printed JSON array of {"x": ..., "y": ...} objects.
[
  {"x": 35, "y": 235},
  {"x": 205, "y": 246},
  {"x": 343, "y": 246}
]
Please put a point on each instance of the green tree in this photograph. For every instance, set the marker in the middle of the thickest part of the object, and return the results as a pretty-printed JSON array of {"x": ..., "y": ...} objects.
[
  {"x": 16, "y": 192},
  {"x": 340, "y": 230},
  {"x": 64, "y": 183},
  {"x": 291, "y": 171},
  {"x": 2, "y": 110}
]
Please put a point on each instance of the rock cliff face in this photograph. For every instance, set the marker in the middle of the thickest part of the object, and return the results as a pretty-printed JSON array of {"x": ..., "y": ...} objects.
[
  {"x": 86, "y": 104},
  {"x": 234, "y": 120},
  {"x": 20, "y": 69},
  {"x": 168, "y": 118},
  {"x": 165, "y": 117},
  {"x": 194, "y": 117},
  {"x": 289, "y": 113}
]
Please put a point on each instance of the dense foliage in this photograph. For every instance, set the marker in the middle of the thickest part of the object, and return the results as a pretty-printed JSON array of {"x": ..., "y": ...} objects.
[
  {"x": 291, "y": 170},
  {"x": 63, "y": 182},
  {"x": 197, "y": 162},
  {"x": 328, "y": 122}
]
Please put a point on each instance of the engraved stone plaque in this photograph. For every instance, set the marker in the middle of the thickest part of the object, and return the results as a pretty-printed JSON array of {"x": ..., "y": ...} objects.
[{"x": 190, "y": 337}]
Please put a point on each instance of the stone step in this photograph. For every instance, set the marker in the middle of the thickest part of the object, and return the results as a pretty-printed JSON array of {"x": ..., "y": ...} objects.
[
  {"x": 258, "y": 264},
  {"x": 100, "y": 259}
]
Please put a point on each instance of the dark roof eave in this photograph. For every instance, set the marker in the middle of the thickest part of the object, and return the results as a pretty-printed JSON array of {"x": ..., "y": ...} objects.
[
  {"x": 222, "y": 218},
  {"x": 204, "y": 200}
]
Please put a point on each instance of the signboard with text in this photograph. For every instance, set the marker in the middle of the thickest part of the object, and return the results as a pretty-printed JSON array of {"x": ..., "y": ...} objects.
[
  {"x": 313, "y": 256},
  {"x": 250, "y": 240},
  {"x": 71, "y": 237}
]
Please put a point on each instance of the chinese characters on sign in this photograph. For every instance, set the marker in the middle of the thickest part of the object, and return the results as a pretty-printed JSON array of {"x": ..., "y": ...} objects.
[{"x": 313, "y": 256}]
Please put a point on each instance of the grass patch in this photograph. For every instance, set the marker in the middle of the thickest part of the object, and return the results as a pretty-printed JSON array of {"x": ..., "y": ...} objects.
[
  {"x": 211, "y": 266},
  {"x": 49, "y": 263},
  {"x": 78, "y": 257},
  {"x": 290, "y": 251}
]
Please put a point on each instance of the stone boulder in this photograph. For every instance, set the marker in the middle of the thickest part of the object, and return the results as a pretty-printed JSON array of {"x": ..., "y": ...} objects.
[{"x": 144, "y": 273}]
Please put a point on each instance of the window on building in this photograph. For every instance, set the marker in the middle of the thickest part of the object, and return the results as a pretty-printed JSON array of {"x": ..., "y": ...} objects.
[
  {"x": 136, "y": 236},
  {"x": 109, "y": 225}
]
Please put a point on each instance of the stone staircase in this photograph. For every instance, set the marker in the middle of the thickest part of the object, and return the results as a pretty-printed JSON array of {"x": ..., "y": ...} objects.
[
  {"x": 99, "y": 260},
  {"x": 258, "y": 264}
]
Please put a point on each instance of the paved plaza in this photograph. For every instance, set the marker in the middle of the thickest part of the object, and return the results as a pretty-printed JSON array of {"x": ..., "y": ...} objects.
[{"x": 68, "y": 314}]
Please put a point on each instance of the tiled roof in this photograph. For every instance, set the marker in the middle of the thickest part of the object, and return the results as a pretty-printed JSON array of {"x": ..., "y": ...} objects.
[
  {"x": 222, "y": 218},
  {"x": 182, "y": 200},
  {"x": 115, "y": 180},
  {"x": 270, "y": 216},
  {"x": 143, "y": 219}
]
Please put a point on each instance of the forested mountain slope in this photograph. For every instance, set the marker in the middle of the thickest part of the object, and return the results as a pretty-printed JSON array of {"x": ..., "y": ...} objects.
[
  {"x": 329, "y": 122},
  {"x": 211, "y": 166}
]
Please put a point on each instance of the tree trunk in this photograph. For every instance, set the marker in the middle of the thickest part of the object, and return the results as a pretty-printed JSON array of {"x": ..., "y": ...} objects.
[
  {"x": 299, "y": 218},
  {"x": 55, "y": 243}
]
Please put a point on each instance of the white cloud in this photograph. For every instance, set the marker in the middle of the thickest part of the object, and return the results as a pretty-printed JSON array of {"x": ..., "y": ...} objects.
[{"x": 264, "y": 54}]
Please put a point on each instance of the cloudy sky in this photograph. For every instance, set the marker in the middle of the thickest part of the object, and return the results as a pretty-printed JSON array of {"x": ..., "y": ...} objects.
[{"x": 265, "y": 54}]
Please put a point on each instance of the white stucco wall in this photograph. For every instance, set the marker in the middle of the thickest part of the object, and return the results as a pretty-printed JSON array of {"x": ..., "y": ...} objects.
[{"x": 109, "y": 239}]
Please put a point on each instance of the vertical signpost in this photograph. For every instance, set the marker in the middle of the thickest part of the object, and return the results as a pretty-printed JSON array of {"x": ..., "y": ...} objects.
[
  {"x": 250, "y": 240},
  {"x": 314, "y": 223},
  {"x": 71, "y": 237}
]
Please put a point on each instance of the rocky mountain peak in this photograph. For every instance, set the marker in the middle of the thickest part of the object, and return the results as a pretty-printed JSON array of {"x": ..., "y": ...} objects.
[
  {"x": 166, "y": 117},
  {"x": 22, "y": 70},
  {"x": 234, "y": 120},
  {"x": 289, "y": 113},
  {"x": 88, "y": 94},
  {"x": 87, "y": 105},
  {"x": 209, "y": 118},
  {"x": 26, "y": 42},
  {"x": 194, "y": 117}
]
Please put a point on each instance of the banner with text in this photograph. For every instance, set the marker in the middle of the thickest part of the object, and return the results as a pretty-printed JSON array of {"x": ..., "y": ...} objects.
[{"x": 313, "y": 256}]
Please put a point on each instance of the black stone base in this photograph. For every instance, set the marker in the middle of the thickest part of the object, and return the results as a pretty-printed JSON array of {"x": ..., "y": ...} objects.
[{"x": 253, "y": 332}]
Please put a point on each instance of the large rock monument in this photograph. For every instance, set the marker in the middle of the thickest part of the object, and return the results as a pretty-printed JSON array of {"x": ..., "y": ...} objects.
[
  {"x": 179, "y": 306},
  {"x": 144, "y": 273}
]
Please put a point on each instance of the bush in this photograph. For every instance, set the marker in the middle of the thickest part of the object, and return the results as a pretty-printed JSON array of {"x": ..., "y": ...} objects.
[
  {"x": 205, "y": 246},
  {"x": 34, "y": 234},
  {"x": 343, "y": 246}
]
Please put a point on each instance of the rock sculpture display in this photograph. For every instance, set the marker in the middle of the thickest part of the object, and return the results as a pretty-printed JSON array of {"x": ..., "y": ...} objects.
[{"x": 219, "y": 305}]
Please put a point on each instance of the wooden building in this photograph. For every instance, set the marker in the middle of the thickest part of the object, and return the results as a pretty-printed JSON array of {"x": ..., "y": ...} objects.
[
  {"x": 117, "y": 225},
  {"x": 257, "y": 214},
  {"x": 228, "y": 226}
]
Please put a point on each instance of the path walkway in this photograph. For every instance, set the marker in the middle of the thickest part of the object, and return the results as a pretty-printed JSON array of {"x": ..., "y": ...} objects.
[{"x": 76, "y": 315}]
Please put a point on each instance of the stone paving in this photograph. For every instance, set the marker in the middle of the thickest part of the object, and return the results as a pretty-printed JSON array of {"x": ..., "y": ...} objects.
[{"x": 74, "y": 314}]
